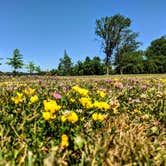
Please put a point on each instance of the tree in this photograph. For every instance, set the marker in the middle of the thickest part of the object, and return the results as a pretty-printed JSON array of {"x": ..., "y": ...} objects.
[
  {"x": 1, "y": 59},
  {"x": 65, "y": 65},
  {"x": 156, "y": 56},
  {"x": 30, "y": 67},
  {"x": 157, "y": 47},
  {"x": 87, "y": 66},
  {"x": 38, "y": 69},
  {"x": 133, "y": 63},
  {"x": 150, "y": 66},
  {"x": 127, "y": 44},
  {"x": 109, "y": 30},
  {"x": 97, "y": 66},
  {"x": 78, "y": 69},
  {"x": 16, "y": 61}
]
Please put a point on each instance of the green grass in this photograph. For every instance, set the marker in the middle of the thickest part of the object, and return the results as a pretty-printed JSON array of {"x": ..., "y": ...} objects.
[{"x": 132, "y": 132}]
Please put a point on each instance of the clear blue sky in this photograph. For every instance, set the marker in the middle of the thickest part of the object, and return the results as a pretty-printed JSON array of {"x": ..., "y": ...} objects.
[{"x": 42, "y": 29}]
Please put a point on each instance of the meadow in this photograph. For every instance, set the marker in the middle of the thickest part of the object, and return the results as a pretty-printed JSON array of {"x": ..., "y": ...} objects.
[{"x": 106, "y": 120}]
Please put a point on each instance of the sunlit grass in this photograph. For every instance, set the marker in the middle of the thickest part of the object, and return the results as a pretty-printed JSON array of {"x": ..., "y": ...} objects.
[{"x": 91, "y": 120}]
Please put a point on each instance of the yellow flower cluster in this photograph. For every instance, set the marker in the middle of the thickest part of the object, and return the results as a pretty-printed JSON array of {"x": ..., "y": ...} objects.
[
  {"x": 163, "y": 80},
  {"x": 86, "y": 102},
  {"x": 18, "y": 98},
  {"x": 101, "y": 105},
  {"x": 50, "y": 108},
  {"x": 48, "y": 115},
  {"x": 101, "y": 93},
  {"x": 64, "y": 140},
  {"x": 29, "y": 91},
  {"x": 34, "y": 99},
  {"x": 116, "y": 79},
  {"x": 136, "y": 111},
  {"x": 98, "y": 116},
  {"x": 72, "y": 100},
  {"x": 71, "y": 117},
  {"x": 81, "y": 91},
  {"x": 22, "y": 85}
]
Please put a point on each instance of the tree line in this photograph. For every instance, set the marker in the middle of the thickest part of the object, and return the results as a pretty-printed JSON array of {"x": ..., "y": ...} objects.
[
  {"x": 120, "y": 46},
  {"x": 16, "y": 62}
]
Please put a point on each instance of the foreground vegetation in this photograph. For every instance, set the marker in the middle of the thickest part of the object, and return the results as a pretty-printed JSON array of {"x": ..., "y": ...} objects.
[{"x": 83, "y": 121}]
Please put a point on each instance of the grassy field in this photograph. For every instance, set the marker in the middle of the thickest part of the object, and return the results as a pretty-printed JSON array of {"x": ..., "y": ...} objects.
[{"x": 91, "y": 120}]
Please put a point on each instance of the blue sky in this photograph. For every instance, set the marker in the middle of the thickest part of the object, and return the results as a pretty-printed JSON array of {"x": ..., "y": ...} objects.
[{"x": 42, "y": 29}]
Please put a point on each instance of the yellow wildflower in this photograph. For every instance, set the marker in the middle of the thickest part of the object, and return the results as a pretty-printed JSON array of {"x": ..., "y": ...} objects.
[
  {"x": 18, "y": 99},
  {"x": 72, "y": 100},
  {"x": 95, "y": 116},
  {"x": 63, "y": 118},
  {"x": 46, "y": 115},
  {"x": 34, "y": 99},
  {"x": 101, "y": 105},
  {"x": 81, "y": 91},
  {"x": 116, "y": 79},
  {"x": 72, "y": 117},
  {"x": 29, "y": 91},
  {"x": 98, "y": 116},
  {"x": 115, "y": 110},
  {"x": 101, "y": 93},
  {"x": 101, "y": 117},
  {"x": 145, "y": 116},
  {"x": 52, "y": 116},
  {"x": 64, "y": 140},
  {"x": 136, "y": 111},
  {"x": 51, "y": 106},
  {"x": 86, "y": 102}
]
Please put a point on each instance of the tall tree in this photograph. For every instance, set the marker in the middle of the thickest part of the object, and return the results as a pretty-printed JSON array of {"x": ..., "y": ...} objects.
[
  {"x": 30, "y": 67},
  {"x": 88, "y": 66},
  {"x": 156, "y": 56},
  {"x": 78, "y": 69},
  {"x": 127, "y": 44},
  {"x": 133, "y": 63},
  {"x": 97, "y": 66},
  {"x": 109, "y": 30},
  {"x": 16, "y": 61},
  {"x": 38, "y": 69},
  {"x": 65, "y": 65},
  {"x": 157, "y": 47}
]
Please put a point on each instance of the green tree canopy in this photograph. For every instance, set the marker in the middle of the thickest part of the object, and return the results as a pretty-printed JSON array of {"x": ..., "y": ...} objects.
[
  {"x": 109, "y": 30},
  {"x": 133, "y": 62},
  {"x": 30, "y": 67},
  {"x": 127, "y": 44},
  {"x": 157, "y": 47},
  {"x": 87, "y": 66},
  {"x": 38, "y": 69},
  {"x": 78, "y": 69},
  {"x": 97, "y": 66},
  {"x": 156, "y": 56},
  {"x": 65, "y": 65},
  {"x": 16, "y": 61}
]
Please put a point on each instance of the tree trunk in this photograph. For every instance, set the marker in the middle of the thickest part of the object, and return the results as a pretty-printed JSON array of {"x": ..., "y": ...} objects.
[
  {"x": 107, "y": 70},
  {"x": 107, "y": 64},
  {"x": 121, "y": 70},
  {"x": 14, "y": 72}
]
